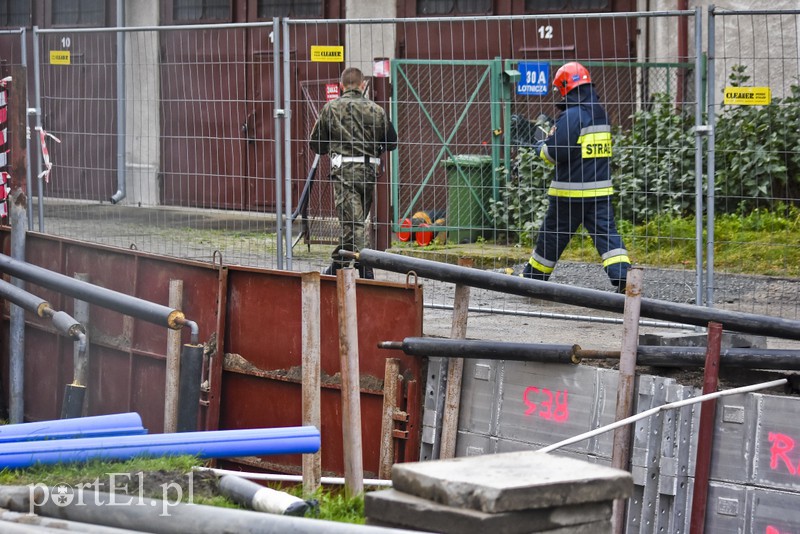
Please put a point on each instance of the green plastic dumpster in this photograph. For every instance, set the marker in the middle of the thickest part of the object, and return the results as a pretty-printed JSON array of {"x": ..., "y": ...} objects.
[{"x": 469, "y": 189}]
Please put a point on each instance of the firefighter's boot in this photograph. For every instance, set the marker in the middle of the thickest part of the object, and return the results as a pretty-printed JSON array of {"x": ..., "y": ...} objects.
[{"x": 535, "y": 274}]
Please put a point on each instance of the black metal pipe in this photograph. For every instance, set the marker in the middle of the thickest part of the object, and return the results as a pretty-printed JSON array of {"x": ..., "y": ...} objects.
[
  {"x": 487, "y": 350},
  {"x": 743, "y": 358},
  {"x": 191, "y": 375},
  {"x": 651, "y": 355},
  {"x": 101, "y": 296},
  {"x": 72, "y": 407},
  {"x": 590, "y": 298}
]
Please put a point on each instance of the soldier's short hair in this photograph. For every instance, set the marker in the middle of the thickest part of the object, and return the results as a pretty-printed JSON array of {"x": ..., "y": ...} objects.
[{"x": 352, "y": 77}]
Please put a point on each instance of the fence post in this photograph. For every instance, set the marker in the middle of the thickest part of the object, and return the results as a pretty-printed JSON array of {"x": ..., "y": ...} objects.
[
  {"x": 351, "y": 387},
  {"x": 620, "y": 455},
  {"x": 173, "y": 362},
  {"x": 312, "y": 416},
  {"x": 455, "y": 369}
]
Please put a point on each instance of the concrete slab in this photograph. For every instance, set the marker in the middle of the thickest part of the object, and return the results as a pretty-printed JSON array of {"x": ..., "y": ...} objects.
[
  {"x": 401, "y": 509},
  {"x": 511, "y": 481}
]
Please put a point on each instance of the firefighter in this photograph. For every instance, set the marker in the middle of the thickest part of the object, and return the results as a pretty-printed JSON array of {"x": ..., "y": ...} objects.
[
  {"x": 354, "y": 132},
  {"x": 579, "y": 146}
]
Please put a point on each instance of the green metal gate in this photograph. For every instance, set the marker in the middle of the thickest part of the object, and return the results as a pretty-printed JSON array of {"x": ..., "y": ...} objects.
[{"x": 448, "y": 116}]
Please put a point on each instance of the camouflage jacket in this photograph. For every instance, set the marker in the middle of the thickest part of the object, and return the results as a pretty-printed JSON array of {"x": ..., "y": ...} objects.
[{"x": 353, "y": 125}]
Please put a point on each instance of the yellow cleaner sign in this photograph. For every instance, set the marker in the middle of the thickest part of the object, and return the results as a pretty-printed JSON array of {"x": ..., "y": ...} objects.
[
  {"x": 327, "y": 54},
  {"x": 59, "y": 57},
  {"x": 747, "y": 96}
]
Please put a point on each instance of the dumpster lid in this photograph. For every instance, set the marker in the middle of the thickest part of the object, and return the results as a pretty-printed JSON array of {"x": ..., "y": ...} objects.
[{"x": 468, "y": 160}]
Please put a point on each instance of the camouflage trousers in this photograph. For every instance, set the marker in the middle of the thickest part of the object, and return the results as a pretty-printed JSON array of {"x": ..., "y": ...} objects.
[{"x": 353, "y": 187}]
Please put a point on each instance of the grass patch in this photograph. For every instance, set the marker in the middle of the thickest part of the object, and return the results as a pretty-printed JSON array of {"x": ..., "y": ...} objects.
[{"x": 760, "y": 243}]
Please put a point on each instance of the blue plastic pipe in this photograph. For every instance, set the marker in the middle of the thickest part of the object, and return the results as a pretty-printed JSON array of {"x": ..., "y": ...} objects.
[
  {"x": 119, "y": 424},
  {"x": 211, "y": 444}
]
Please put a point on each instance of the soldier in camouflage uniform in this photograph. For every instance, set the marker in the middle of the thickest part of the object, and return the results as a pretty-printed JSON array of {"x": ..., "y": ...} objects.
[{"x": 354, "y": 132}]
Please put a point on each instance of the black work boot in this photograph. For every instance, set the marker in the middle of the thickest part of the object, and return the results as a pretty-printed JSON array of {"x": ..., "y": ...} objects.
[
  {"x": 332, "y": 268},
  {"x": 365, "y": 271}
]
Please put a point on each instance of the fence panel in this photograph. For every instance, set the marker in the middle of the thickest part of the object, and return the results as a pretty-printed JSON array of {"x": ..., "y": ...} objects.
[
  {"x": 173, "y": 118},
  {"x": 754, "y": 105},
  {"x": 205, "y": 143}
]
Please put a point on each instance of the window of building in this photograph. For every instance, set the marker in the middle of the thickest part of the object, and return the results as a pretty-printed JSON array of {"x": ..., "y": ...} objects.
[
  {"x": 454, "y": 7},
  {"x": 201, "y": 10},
  {"x": 268, "y": 9},
  {"x": 534, "y": 6},
  {"x": 15, "y": 13},
  {"x": 79, "y": 13}
]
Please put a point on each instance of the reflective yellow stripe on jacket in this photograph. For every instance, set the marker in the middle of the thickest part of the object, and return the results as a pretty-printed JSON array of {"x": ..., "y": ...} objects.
[
  {"x": 601, "y": 188},
  {"x": 595, "y": 142}
]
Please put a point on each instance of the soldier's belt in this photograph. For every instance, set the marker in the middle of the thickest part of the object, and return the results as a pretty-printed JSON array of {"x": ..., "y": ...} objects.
[{"x": 361, "y": 159}]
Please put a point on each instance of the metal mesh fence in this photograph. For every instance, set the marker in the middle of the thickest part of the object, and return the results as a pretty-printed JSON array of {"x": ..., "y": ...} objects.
[
  {"x": 754, "y": 105},
  {"x": 206, "y": 129},
  {"x": 167, "y": 153}
]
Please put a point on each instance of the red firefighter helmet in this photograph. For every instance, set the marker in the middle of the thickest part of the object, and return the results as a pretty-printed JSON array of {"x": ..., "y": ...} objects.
[{"x": 570, "y": 76}]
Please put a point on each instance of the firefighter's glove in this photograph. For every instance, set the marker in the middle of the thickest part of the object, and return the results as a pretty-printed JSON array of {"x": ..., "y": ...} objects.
[{"x": 542, "y": 127}]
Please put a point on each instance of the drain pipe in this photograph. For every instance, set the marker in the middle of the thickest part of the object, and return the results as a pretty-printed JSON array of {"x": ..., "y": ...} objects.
[
  {"x": 118, "y": 424},
  {"x": 121, "y": 178},
  {"x": 205, "y": 444}
]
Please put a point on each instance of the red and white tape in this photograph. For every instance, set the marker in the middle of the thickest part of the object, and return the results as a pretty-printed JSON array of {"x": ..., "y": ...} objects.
[{"x": 43, "y": 135}]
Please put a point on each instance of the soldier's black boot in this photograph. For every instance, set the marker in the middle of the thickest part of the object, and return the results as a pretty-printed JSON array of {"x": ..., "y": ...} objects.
[
  {"x": 332, "y": 268},
  {"x": 365, "y": 272}
]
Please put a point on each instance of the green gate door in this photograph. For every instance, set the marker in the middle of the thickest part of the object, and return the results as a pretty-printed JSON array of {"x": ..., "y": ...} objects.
[{"x": 449, "y": 123}]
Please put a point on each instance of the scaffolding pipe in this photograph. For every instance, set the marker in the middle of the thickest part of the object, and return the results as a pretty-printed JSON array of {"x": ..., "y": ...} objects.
[
  {"x": 208, "y": 444},
  {"x": 23, "y": 299},
  {"x": 101, "y": 296},
  {"x": 652, "y": 411},
  {"x": 590, "y": 298},
  {"x": 118, "y": 424},
  {"x": 16, "y": 316}
]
